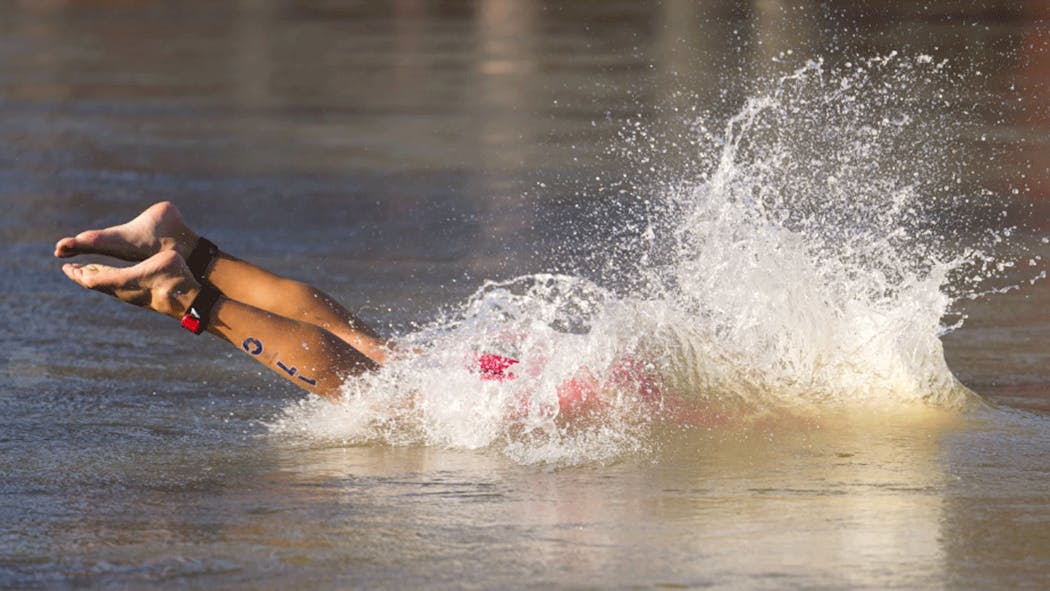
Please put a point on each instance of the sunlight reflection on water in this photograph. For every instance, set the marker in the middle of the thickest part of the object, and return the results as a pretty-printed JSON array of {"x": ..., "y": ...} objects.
[{"x": 399, "y": 153}]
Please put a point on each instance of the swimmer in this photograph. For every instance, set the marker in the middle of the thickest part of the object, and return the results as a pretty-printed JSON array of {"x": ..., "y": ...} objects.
[{"x": 292, "y": 328}]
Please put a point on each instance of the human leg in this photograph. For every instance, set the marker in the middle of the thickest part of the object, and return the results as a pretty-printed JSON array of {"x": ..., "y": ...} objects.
[
  {"x": 245, "y": 282},
  {"x": 303, "y": 353},
  {"x": 161, "y": 228}
]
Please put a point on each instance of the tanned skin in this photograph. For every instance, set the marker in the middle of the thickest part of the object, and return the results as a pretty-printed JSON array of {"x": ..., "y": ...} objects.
[{"x": 292, "y": 328}]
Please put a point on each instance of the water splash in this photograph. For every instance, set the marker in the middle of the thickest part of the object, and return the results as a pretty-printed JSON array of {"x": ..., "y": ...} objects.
[
  {"x": 806, "y": 261},
  {"x": 814, "y": 252}
]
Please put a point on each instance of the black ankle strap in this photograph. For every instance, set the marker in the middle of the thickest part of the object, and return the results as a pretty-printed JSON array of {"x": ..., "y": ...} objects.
[
  {"x": 198, "y": 314},
  {"x": 201, "y": 258}
]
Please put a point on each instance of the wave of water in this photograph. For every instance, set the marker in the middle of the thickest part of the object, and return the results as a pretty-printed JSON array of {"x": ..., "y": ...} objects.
[{"x": 806, "y": 261}]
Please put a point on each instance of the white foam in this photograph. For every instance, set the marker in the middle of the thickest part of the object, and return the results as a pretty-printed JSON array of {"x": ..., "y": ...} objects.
[{"x": 803, "y": 264}]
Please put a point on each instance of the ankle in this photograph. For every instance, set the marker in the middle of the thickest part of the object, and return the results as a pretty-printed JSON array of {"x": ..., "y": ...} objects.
[
  {"x": 172, "y": 230},
  {"x": 172, "y": 298},
  {"x": 185, "y": 241}
]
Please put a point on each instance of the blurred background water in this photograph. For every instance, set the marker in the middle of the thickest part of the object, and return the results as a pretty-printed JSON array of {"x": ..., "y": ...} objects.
[{"x": 397, "y": 154}]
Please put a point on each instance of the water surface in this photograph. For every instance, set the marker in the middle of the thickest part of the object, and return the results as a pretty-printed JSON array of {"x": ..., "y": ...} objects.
[{"x": 398, "y": 155}]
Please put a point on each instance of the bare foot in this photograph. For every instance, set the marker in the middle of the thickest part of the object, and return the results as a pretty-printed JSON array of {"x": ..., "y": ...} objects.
[
  {"x": 161, "y": 282},
  {"x": 157, "y": 229}
]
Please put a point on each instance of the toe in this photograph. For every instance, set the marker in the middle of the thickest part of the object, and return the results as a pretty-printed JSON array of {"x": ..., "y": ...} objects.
[
  {"x": 89, "y": 276},
  {"x": 89, "y": 242},
  {"x": 73, "y": 271},
  {"x": 66, "y": 248}
]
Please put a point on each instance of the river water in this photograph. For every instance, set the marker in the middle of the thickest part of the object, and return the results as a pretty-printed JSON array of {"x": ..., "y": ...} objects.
[{"x": 812, "y": 231}]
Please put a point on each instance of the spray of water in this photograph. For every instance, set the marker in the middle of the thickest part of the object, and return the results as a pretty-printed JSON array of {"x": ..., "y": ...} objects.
[
  {"x": 806, "y": 261},
  {"x": 814, "y": 250}
]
